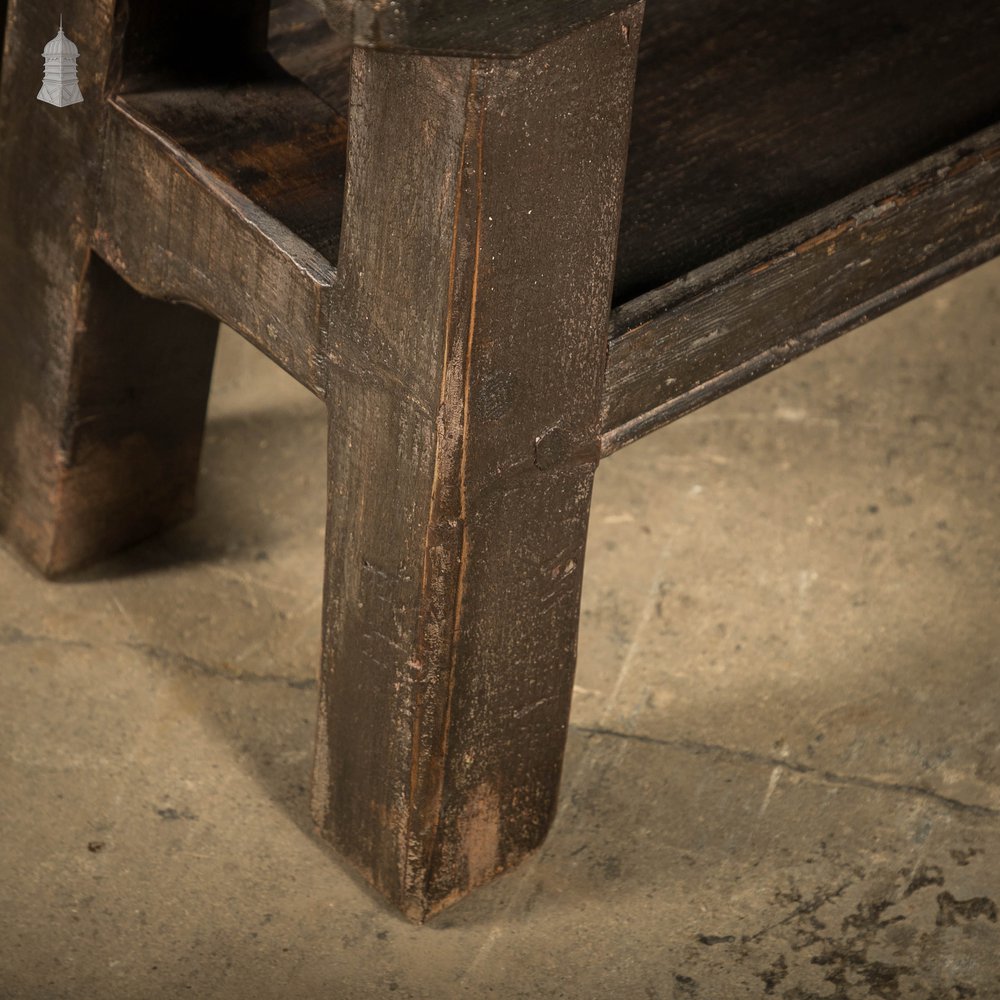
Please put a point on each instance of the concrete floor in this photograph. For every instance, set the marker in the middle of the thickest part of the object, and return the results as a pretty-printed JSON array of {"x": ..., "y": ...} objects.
[{"x": 789, "y": 645}]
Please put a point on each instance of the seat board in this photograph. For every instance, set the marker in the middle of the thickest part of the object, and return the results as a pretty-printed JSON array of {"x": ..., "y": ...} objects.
[{"x": 749, "y": 116}]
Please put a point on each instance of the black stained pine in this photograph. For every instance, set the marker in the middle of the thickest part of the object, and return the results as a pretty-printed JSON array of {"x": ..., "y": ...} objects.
[
  {"x": 102, "y": 392},
  {"x": 202, "y": 241},
  {"x": 749, "y": 116},
  {"x": 285, "y": 149},
  {"x": 307, "y": 47},
  {"x": 506, "y": 28},
  {"x": 481, "y": 197},
  {"x": 695, "y": 339},
  {"x": 446, "y": 280}
]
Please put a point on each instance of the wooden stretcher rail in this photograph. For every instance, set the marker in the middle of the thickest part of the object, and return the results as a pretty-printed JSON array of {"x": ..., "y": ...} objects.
[
  {"x": 732, "y": 140},
  {"x": 696, "y": 338},
  {"x": 203, "y": 242}
]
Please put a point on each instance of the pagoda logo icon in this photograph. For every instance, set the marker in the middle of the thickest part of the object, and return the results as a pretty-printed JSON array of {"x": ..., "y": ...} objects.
[{"x": 59, "y": 84}]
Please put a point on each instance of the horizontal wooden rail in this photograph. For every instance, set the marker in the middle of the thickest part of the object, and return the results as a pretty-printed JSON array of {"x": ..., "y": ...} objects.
[
  {"x": 703, "y": 335},
  {"x": 727, "y": 146},
  {"x": 175, "y": 225},
  {"x": 248, "y": 229}
]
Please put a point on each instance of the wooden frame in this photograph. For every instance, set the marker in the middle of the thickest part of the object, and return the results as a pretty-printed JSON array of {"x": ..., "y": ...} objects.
[{"x": 424, "y": 235}]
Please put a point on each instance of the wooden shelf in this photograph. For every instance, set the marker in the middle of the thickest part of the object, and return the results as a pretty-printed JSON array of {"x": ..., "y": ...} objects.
[
  {"x": 750, "y": 116},
  {"x": 284, "y": 148},
  {"x": 752, "y": 310},
  {"x": 794, "y": 168}
]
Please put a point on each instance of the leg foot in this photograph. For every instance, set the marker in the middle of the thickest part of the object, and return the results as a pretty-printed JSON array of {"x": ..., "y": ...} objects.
[
  {"x": 462, "y": 455},
  {"x": 101, "y": 423}
]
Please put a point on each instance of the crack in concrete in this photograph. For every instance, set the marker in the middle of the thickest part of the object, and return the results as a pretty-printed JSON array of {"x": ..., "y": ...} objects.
[
  {"x": 204, "y": 669},
  {"x": 802, "y": 910},
  {"x": 765, "y": 760},
  {"x": 12, "y": 636}
]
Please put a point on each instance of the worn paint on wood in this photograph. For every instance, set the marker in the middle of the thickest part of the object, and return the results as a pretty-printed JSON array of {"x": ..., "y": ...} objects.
[
  {"x": 457, "y": 529},
  {"x": 204, "y": 242},
  {"x": 698, "y": 338},
  {"x": 102, "y": 392},
  {"x": 503, "y": 28},
  {"x": 450, "y": 297}
]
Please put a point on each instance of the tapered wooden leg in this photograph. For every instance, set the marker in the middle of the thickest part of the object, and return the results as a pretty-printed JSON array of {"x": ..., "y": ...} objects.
[
  {"x": 100, "y": 442},
  {"x": 102, "y": 391},
  {"x": 477, "y": 258}
]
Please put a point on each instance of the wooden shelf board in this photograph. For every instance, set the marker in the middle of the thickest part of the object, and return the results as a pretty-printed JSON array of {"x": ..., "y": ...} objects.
[
  {"x": 272, "y": 139},
  {"x": 749, "y": 116}
]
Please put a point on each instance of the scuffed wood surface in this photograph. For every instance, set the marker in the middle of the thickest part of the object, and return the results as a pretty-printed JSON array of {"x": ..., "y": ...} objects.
[
  {"x": 284, "y": 149},
  {"x": 459, "y": 28},
  {"x": 749, "y": 116},
  {"x": 43, "y": 255},
  {"x": 201, "y": 241},
  {"x": 482, "y": 201},
  {"x": 449, "y": 298},
  {"x": 102, "y": 392},
  {"x": 131, "y": 439},
  {"x": 697, "y": 338}
]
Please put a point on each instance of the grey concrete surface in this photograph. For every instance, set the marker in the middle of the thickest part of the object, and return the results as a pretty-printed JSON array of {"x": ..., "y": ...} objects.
[{"x": 783, "y": 775}]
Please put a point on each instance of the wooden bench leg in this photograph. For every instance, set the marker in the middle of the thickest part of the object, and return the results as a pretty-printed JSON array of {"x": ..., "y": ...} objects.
[
  {"x": 102, "y": 391},
  {"x": 477, "y": 257},
  {"x": 99, "y": 444}
]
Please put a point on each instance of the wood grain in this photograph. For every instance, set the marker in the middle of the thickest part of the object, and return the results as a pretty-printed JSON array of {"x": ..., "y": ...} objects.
[
  {"x": 102, "y": 392},
  {"x": 482, "y": 197},
  {"x": 201, "y": 241},
  {"x": 454, "y": 27},
  {"x": 695, "y": 339},
  {"x": 284, "y": 148},
  {"x": 303, "y": 43},
  {"x": 444, "y": 280},
  {"x": 750, "y": 116}
]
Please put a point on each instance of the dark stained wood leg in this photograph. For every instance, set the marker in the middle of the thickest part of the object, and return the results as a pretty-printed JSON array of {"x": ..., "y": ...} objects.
[
  {"x": 477, "y": 257},
  {"x": 102, "y": 391},
  {"x": 100, "y": 447}
]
